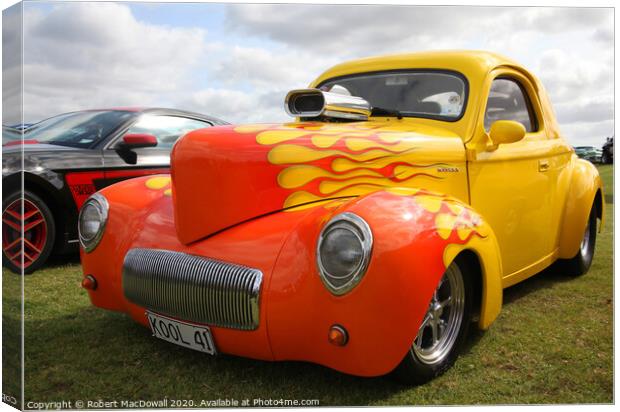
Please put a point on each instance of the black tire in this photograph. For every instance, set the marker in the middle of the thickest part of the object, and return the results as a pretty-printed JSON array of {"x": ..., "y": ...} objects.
[
  {"x": 417, "y": 367},
  {"x": 580, "y": 263},
  {"x": 45, "y": 237}
]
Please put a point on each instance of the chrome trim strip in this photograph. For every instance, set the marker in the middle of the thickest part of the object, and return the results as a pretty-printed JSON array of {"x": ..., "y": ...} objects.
[{"x": 193, "y": 288}]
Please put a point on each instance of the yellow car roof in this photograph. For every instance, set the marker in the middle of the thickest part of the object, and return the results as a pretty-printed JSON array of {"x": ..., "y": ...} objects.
[{"x": 471, "y": 63}]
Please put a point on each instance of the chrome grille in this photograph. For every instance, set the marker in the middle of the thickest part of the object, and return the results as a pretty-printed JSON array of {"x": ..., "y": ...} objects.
[{"x": 193, "y": 288}]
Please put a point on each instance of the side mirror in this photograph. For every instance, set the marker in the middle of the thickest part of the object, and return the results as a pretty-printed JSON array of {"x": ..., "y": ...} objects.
[
  {"x": 505, "y": 131},
  {"x": 137, "y": 141}
]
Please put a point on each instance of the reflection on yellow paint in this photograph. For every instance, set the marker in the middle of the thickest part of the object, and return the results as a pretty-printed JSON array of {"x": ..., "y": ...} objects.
[
  {"x": 444, "y": 224},
  {"x": 451, "y": 216},
  {"x": 158, "y": 183},
  {"x": 429, "y": 202}
]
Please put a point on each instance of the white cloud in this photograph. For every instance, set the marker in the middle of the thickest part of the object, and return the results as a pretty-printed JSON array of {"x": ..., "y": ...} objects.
[
  {"x": 349, "y": 29},
  {"x": 581, "y": 89},
  {"x": 568, "y": 76},
  {"x": 587, "y": 110},
  {"x": 11, "y": 69},
  {"x": 570, "y": 49},
  {"x": 262, "y": 68},
  {"x": 352, "y": 30},
  {"x": 253, "y": 82},
  {"x": 593, "y": 134},
  {"x": 82, "y": 55},
  {"x": 236, "y": 106}
]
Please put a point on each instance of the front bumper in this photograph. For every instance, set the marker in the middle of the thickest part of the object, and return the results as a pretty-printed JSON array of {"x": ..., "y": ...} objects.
[{"x": 295, "y": 310}]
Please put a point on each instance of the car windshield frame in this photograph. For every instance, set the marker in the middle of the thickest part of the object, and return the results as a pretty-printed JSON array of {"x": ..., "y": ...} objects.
[
  {"x": 124, "y": 116},
  {"x": 440, "y": 117}
]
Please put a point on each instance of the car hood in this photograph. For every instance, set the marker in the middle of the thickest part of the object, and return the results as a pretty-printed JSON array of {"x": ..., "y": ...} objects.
[
  {"x": 39, "y": 157},
  {"x": 223, "y": 176},
  {"x": 35, "y": 147}
]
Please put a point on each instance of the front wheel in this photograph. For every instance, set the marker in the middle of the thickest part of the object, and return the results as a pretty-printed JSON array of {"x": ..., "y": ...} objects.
[
  {"x": 28, "y": 232},
  {"x": 443, "y": 330}
]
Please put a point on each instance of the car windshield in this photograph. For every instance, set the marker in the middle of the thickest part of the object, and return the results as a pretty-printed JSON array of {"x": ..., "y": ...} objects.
[
  {"x": 79, "y": 129},
  {"x": 429, "y": 94}
]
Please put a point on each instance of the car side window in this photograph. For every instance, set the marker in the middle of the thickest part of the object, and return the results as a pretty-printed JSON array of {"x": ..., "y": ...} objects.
[
  {"x": 508, "y": 101},
  {"x": 167, "y": 129}
]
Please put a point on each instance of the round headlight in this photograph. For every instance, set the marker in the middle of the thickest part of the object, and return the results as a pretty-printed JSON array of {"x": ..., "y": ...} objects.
[
  {"x": 92, "y": 220},
  {"x": 343, "y": 252}
]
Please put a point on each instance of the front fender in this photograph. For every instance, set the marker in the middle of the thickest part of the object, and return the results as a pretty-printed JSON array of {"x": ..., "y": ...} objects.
[
  {"x": 584, "y": 186},
  {"x": 416, "y": 235},
  {"x": 130, "y": 203}
]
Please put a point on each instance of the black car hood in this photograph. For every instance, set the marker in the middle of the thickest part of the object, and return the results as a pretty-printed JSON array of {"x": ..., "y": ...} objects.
[
  {"x": 39, "y": 147},
  {"x": 38, "y": 158}
]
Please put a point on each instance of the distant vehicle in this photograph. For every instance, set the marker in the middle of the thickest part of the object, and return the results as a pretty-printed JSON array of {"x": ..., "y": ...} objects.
[
  {"x": 69, "y": 157},
  {"x": 590, "y": 153},
  {"x": 608, "y": 151},
  {"x": 10, "y": 135}
]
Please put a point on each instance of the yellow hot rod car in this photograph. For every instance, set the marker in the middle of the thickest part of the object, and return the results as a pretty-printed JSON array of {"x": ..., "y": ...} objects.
[{"x": 367, "y": 235}]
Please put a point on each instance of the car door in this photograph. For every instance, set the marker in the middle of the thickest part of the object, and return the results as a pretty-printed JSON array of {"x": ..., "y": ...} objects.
[
  {"x": 167, "y": 129},
  {"x": 512, "y": 185}
]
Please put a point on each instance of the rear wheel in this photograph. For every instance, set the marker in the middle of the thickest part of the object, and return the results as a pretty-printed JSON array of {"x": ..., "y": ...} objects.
[
  {"x": 36, "y": 244},
  {"x": 443, "y": 330},
  {"x": 581, "y": 262}
]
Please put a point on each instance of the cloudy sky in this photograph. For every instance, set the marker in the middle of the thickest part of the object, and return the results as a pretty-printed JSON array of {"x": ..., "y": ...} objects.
[{"x": 236, "y": 62}]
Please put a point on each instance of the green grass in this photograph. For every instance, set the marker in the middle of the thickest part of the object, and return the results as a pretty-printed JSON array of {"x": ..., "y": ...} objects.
[
  {"x": 552, "y": 343},
  {"x": 11, "y": 335}
]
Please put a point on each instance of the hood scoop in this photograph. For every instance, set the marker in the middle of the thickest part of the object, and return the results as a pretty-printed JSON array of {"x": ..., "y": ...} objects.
[{"x": 314, "y": 103}]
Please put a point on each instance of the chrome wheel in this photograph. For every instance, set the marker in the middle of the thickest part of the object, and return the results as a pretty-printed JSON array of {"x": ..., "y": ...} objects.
[
  {"x": 585, "y": 242},
  {"x": 442, "y": 322}
]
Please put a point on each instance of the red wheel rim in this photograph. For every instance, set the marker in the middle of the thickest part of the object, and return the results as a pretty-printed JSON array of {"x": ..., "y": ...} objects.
[{"x": 32, "y": 243}]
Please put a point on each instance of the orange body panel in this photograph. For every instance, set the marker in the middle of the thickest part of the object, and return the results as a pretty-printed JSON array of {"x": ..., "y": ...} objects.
[{"x": 411, "y": 230}]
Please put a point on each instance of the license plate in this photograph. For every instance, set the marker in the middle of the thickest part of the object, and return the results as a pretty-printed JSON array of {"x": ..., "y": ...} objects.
[{"x": 182, "y": 333}]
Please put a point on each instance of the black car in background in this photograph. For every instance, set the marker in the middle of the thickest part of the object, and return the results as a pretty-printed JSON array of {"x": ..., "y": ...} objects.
[
  {"x": 608, "y": 151},
  {"x": 69, "y": 157}
]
